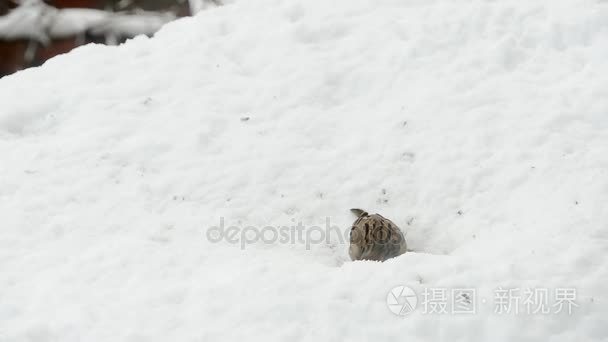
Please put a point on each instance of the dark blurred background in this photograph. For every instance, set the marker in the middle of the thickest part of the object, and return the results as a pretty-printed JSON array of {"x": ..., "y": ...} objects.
[{"x": 32, "y": 31}]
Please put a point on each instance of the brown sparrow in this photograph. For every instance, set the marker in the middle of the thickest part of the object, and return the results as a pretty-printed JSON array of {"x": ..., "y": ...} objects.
[{"x": 374, "y": 237}]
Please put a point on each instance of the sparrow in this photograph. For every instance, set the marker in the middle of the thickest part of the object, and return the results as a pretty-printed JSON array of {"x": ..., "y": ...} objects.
[{"x": 374, "y": 237}]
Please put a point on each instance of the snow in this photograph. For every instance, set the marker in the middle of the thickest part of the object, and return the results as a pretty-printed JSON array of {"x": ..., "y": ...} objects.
[
  {"x": 133, "y": 25},
  {"x": 480, "y": 127},
  {"x": 201, "y": 5},
  {"x": 29, "y": 20}
]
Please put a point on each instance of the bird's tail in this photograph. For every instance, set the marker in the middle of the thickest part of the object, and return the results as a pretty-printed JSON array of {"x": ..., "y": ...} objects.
[{"x": 359, "y": 212}]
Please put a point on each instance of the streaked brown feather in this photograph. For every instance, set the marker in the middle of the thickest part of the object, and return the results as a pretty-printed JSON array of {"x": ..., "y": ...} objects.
[{"x": 374, "y": 237}]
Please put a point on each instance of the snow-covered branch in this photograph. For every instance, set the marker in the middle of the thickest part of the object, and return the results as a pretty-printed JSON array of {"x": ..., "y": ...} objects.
[{"x": 35, "y": 20}]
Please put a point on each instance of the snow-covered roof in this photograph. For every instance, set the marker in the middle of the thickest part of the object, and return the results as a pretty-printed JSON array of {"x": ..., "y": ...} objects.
[{"x": 39, "y": 21}]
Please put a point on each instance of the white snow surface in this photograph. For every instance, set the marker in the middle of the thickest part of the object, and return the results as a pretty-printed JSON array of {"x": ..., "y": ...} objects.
[{"x": 484, "y": 124}]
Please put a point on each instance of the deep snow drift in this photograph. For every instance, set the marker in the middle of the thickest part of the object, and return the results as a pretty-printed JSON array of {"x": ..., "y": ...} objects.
[{"x": 480, "y": 127}]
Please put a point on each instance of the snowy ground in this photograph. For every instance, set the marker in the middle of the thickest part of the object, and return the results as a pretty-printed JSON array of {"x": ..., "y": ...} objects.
[{"x": 481, "y": 127}]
